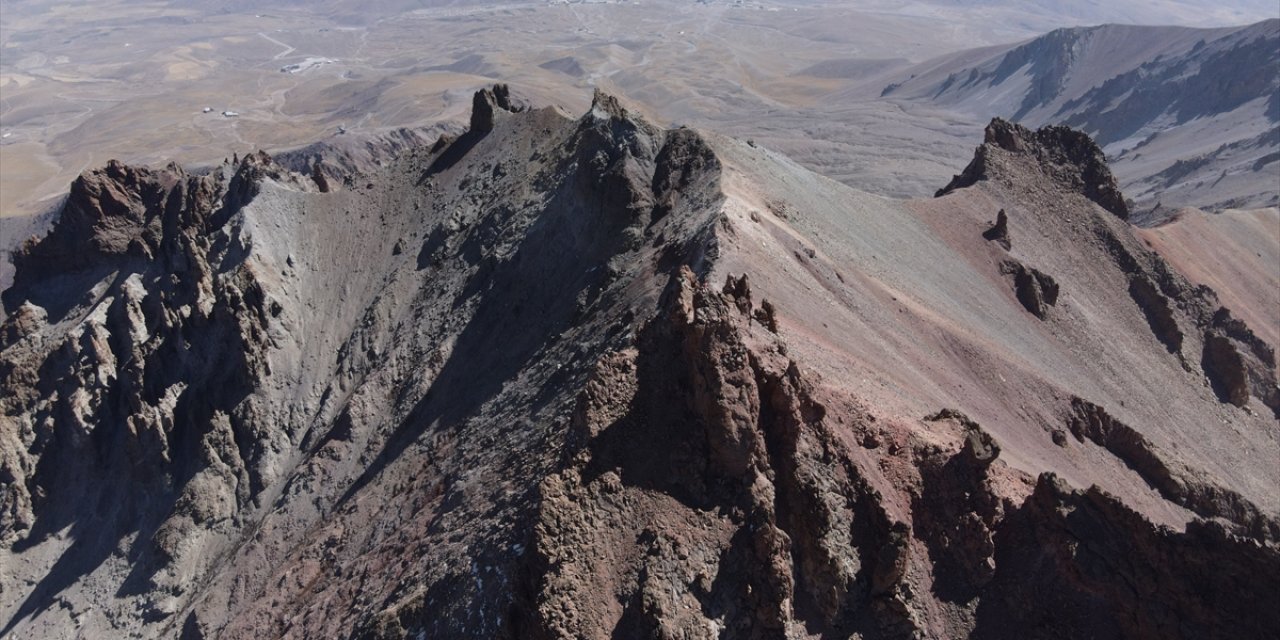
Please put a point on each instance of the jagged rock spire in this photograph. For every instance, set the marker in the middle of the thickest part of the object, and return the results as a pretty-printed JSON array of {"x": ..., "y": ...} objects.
[
  {"x": 485, "y": 105},
  {"x": 1067, "y": 156}
]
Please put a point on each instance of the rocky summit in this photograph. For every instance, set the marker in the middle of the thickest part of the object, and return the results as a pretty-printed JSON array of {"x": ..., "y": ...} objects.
[{"x": 558, "y": 377}]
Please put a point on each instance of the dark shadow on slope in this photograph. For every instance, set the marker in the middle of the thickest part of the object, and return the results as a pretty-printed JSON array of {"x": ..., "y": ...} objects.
[
  {"x": 525, "y": 302},
  {"x": 949, "y": 521},
  {"x": 452, "y": 154},
  {"x": 86, "y": 553},
  {"x": 95, "y": 532},
  {"x": 1081, "y": 564},
  {"x": 15, "y": 230},
  {"x": 58, "y": 294}
]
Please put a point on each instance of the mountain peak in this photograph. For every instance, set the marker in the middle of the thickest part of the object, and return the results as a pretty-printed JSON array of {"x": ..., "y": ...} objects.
[
  {"x": 487, "y": 102},
  {"x": 606, "y": 105},
  {"x": 1067, "y": 156}
]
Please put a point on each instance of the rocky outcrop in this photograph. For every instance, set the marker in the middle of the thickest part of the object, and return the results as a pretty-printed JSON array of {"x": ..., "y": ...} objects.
[
  {"x": 1155, "y": 306},
  {"x": 1192, "y": 326},
  {"x": 1186, "y": 319},
  {"x": 1037, "y": 291},
  {"x": 766, "y": 524},
  {"x": 112, "y": 215},
  {"x": 999, "y": 232},
  {"x": 487, "y": 103},
  {"x": 684, "y": 156},
  {"x": 958, "y": 511},
  {"x": 1175, "y": 482},
  {"x": 1238, "y": 364},
  {"x": 1066, "y": 156},
  {"x": 338, "y": 162},
  {"x": 147, "y": 386},
  {"x": 1225, "y": 369}
]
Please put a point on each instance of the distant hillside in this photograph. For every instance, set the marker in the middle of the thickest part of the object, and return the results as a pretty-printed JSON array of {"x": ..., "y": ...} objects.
[
  {"x": 1170, "y": 12},
  {"x": 1188, "y": 116}
]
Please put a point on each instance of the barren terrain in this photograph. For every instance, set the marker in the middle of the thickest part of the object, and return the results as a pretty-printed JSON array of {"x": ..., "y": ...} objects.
[
  {"x": 129, "y": 80},
  {"x": 722, "y": 320},
  {"x": 588, "y": 377}
]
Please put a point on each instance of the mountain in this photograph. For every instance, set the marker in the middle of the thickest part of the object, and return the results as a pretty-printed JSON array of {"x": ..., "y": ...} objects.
[
  {"x": 589, "y": 377},
  {"x": 1178, "y": 12},
  {"x": 1189, "y": 117}
]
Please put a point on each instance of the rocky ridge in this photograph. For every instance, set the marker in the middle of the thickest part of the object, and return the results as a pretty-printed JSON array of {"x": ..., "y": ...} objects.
[
  {"x": 327, "y": 427},
  {"x": 1066, "y": 156},
  {"x": 1236, "y": 362}
]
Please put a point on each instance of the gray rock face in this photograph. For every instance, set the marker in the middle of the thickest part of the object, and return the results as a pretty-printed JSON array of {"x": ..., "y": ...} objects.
[{"x": 139, "y": 335}]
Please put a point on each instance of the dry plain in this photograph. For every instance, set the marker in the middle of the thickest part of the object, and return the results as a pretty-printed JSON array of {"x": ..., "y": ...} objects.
[{"x": 80, "y": 84}]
